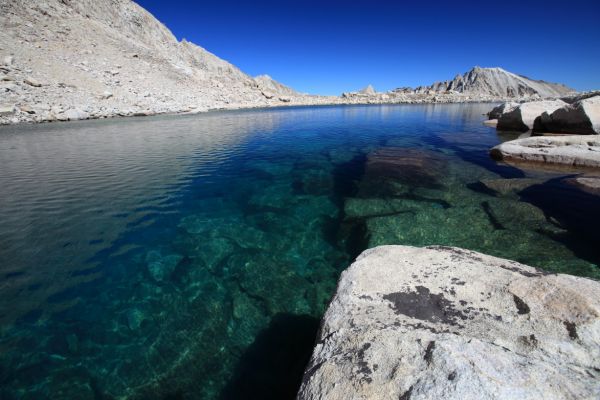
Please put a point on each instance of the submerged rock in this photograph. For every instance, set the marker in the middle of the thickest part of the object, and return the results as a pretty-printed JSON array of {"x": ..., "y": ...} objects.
[
  {"x": 161, "y": 267},
  {"x": 575, "y": 151},
  {"x": 589, "y": 184},
  {"x": 405, "y": 166},
  {"x": 522, "y": 117},
  {"x": 580, "y": 118},
  {"x": 446, "y": 323},
  {"x": 505, "y": 186}
]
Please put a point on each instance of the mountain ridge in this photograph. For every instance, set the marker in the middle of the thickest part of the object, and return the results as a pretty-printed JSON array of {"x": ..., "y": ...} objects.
[{"x": 496, "y": 81}]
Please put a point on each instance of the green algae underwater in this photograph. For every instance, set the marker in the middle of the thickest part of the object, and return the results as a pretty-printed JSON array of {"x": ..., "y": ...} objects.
[{"x": 191, "y": 257}]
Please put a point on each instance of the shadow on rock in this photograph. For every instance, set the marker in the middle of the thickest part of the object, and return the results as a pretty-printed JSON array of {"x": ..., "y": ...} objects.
[{"x": 272, "y": 367}]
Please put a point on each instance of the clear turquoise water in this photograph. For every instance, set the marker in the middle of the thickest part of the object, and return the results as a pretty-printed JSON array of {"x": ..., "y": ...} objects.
[{"x": 191, "y": 257}]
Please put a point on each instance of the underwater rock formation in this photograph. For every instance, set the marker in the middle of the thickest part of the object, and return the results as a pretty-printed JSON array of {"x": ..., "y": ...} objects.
[{"x": 443, "y": 322}]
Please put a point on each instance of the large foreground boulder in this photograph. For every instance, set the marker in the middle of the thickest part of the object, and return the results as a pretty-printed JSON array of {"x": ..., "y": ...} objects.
[
  {"x": 579, "y": 118},
  {"x": 521, "y": 118},
  {"x": 574, "y": 151},
  {"x": 446, "y": 323}
]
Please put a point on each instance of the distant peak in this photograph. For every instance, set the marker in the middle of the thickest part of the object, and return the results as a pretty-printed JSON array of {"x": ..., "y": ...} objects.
[{"x": 368, "y": 90}]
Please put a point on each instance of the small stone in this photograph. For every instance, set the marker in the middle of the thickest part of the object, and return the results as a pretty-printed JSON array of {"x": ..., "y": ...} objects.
[
  {"x": 75, "y": 114},
  {"x": 26, "y": 109},
  {"x": 135, "y": 317},
  {"x": 6, "y": 110},
  {"x": 8, "y": 60},
  {"x": 32, "y": 82}
]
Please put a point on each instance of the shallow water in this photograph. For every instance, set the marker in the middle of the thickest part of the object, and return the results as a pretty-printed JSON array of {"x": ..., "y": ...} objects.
[{"x": 190, "y": 257}]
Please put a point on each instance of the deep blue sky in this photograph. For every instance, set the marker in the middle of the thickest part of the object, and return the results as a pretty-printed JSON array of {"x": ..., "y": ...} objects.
[{"x": 327, "y": 47}]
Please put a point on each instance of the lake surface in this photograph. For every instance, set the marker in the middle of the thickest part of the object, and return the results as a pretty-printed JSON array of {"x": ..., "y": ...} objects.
[{"x": 191, "y": 257}]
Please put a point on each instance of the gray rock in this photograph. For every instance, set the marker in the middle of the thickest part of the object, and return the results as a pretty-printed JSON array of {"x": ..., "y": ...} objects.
[
  {"x": 501, "y": 109},
  {"x": 6, "y": 110},
  {"x": 32, "y": 82},
  {"x": 579, "y": 118},
  {"x": 522, "y": 117},
  {"x": 574, "y": 151},
  {"x": 589, "y": 184},
  {"x": 75, "y": 114},
  {"x": 446, "y": 323},
  {"x": 284, "y": 99},
  {"x": 26, "y": 109},
  {"x": 8, "y": 60}
]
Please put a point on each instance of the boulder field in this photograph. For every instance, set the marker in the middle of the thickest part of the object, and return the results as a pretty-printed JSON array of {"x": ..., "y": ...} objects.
[{"x": 447, "y": 323}]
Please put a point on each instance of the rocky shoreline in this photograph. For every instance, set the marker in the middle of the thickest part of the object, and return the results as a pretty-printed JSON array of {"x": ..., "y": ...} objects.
[{"x": 565, "y": 132}]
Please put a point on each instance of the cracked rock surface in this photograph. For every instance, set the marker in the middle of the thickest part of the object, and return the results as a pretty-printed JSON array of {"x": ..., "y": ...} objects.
[{"x": 447, "y": 323}]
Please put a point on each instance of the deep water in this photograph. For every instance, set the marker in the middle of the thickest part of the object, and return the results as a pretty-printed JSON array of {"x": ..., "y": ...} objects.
[{"x": 191, "y": 257}]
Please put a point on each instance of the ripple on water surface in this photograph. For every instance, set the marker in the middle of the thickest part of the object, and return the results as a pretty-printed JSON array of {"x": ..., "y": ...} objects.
[{"x": 192, "y": 257}]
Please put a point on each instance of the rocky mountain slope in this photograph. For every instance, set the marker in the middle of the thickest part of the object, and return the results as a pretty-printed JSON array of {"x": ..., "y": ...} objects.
[
  {"x": 497, "y": 82},
  {"x": 76, "y": 59}
]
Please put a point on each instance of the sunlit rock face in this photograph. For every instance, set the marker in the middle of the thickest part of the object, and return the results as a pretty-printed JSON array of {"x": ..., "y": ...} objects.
[{"x": 443, "y": 322}]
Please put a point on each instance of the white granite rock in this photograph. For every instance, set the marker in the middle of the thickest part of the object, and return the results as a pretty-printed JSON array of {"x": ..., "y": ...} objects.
[
  {"x": 446, "y": 323},
  {"x": 579, "y": 118},
  {"x": 75, "y": 114},
  {"x": 575, "y": 151},
  {"x": 6, "y": 110},
  {"x": 32, "y": 82},
  {"x": 522, "y": 117},
  {"x": 501, "y": 109}
]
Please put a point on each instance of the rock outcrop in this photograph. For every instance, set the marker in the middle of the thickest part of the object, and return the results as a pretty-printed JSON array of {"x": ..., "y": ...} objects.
[
  {"x": 369, "y": 91},
  {"x": 446, "y": 323},
  {"x": 572, "y": 151},
  {"x": 579, "y": 118},
  {"x": 522, "y": 117},
  {"x": 502, "y": 109},
  {"x": 268, "y": 85},
  {"x": 499, "y": 83}
]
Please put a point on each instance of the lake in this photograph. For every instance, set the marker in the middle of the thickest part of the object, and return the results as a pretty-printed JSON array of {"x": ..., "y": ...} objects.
[{"x": 191, "y": 257}]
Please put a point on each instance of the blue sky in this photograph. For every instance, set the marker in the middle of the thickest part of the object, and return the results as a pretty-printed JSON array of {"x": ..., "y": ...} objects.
[{"x": 328, "y": 47}]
